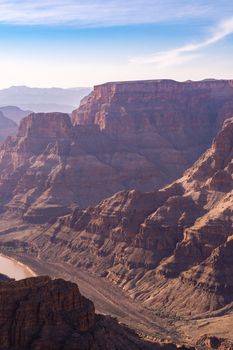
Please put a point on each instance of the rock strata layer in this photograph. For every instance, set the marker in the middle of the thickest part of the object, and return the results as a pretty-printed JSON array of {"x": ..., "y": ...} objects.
[
  {"x": 124, "y": 136},
  {"x": 170, "y": 248},
  {"x": 44, "y": 314}
]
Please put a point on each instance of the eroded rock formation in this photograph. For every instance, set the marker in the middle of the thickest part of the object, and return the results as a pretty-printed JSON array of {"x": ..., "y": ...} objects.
[
  {"x": 132, "y": 135},
  {"x": 170, "y": 248},
  {"x": 43, "y": 314}
]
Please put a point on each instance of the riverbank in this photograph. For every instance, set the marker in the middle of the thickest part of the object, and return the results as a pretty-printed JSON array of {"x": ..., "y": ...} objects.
[
  {"x": 13, "y": 268},
  {"x": 105, "y": 296}
]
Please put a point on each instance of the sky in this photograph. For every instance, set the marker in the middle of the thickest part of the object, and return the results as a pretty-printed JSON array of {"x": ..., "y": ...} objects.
[{"x": 74, "y": 43}]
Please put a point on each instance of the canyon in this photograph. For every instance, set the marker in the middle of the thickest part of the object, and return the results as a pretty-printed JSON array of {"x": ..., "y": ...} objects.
[
  {"x": 135, "y": 190},
  {"x": 176, "y": 239},
  {"x": 132, "y": 135}
]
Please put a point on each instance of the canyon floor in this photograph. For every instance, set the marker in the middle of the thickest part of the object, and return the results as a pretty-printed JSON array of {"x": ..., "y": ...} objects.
[{"x": 108, "y": 299}]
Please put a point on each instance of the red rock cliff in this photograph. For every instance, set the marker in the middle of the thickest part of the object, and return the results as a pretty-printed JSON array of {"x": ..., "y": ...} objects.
[
  {"x": 131, "y": 135},
  {"x": 44, "y": 314},
  {"x": 168, "y": 248}
]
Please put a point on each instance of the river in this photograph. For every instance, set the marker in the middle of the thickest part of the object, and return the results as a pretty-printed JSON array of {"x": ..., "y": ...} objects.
[{"x": 14, "y": 269}]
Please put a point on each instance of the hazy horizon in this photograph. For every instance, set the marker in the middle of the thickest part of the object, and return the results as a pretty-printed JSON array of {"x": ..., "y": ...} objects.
[
  {"x": 106, "y": 82},
  {"x": 81, "y": 44}
]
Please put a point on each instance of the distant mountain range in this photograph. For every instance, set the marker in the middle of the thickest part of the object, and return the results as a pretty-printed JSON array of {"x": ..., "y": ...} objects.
[
  {"x": 43, "y": 99},
  {"x": 17, "y": 102},
  {"x": 10, "y": 116},
  {"x": 14, "y": 113},
  {"x": 7, "y": 126}
]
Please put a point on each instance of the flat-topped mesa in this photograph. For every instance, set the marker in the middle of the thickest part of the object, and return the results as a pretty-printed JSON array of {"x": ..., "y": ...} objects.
[
  {"x": 45, "y": 125},
  {"x": 180, "y": 111},
  {"x": 35, "y": 133},
  {"x": 37, "y": 130},
  {"x": 108, "y": 90}
]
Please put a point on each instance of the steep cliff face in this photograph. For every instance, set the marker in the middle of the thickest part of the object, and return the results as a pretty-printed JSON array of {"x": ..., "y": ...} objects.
[
  {"x": 51, "y": 165},
  {"x": 132, "y": 135},
  {"x": 31, "y": 165},
  {"x": 167, "y": 248},
  {"x": 40, "y": 313},
  {"x": 156, "y": 103},
  {"x": 178, "y": 115}
]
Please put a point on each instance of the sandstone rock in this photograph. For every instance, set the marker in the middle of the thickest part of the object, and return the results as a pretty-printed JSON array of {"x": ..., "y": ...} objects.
[
  {"x": 131, "y": 135},
  {"x": 40, "y": 313},
  {"x": 167, "y": 248}
]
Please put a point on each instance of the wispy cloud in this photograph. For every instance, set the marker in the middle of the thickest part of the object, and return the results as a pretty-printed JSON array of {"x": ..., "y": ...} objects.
[
  {"x": 100, "y": 12},
  {"x": 189, "y": 51}
]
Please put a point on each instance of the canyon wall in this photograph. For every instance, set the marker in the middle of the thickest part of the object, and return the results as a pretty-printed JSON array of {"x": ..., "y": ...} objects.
[
  {"x": 170, "y": 248},
  {"x": 43, "y": 314},
  {"x": 124, "y": 136}
]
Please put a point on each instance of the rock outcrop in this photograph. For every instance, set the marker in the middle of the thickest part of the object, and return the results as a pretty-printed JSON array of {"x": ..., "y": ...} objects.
[
  {"x": 171, "y": 248},
  {"x": 124, "y": 136},
  {"x": 40, "y": 313},
  {"x": 31, "y": 166}
]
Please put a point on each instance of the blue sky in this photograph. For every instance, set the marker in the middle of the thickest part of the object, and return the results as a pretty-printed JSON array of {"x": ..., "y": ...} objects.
[{"x": 82, "y": 43}]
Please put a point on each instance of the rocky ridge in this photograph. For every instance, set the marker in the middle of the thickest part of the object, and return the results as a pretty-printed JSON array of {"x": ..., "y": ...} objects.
[
  {"x": 167, "y": 248},
  {"x": 131, "y": 135},
  {"x": 40, "y": 313}
]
